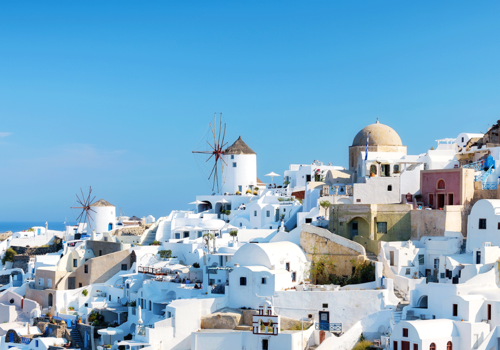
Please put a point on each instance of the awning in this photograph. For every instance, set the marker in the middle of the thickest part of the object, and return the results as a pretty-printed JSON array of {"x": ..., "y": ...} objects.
[{"x": 131, "y": 343}]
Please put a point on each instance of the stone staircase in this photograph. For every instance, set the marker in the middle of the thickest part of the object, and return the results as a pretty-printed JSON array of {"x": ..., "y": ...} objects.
[
  {"x": 76, "y": 338},
  {"x": 151, "y": 234},
  {"x": 371, "y": 256},
  {"x": 398, "y": 313}
]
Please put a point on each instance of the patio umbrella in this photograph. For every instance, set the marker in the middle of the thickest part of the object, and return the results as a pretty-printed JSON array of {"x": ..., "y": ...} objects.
[
  {"x": 110, "y": 331},
  {"x": 228, "y": 226},
  {"x": 223, "y": 201},
  {"x": 272, "y": 174},
  {"x": 196, "y": 202}
]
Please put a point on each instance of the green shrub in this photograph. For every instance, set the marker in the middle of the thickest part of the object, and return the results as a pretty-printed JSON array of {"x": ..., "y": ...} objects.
[
  {"x": 85, "y": 292},
  {"x": 133, "y": 303},
  {"x": 155, "y": 242},
  {"x": 165, "y": 254},
  {"x": 9, "y": 255},
  {"x": 363, "y": 345}
]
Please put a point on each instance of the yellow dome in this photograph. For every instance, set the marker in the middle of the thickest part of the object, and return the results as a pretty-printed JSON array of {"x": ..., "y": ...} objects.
[{"x": 380, "y": 135}]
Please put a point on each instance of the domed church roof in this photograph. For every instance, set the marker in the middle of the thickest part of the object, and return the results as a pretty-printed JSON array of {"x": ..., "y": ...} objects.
[{"x": 380, "y": 135}]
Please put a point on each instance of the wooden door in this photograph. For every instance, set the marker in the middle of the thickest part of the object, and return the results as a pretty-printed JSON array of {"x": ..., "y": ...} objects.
[
  {"x": 392, "y": 258},
  {"x": 405, "y": 345}
]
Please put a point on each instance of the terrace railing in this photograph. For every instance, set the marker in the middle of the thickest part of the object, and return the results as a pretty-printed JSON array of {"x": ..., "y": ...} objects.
[{"x": 329, "y": 327}]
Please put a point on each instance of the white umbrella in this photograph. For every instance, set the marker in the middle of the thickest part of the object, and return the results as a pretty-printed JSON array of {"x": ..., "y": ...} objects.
[
  {"x": 223, "y": 201},
  {"x": 228, "y": 226},
  {"x": 182, "y": 228},
  {"x": 197, "y": 202},
  {"x": 197, "y": 228},
  {"x": 272, "y": 174}
]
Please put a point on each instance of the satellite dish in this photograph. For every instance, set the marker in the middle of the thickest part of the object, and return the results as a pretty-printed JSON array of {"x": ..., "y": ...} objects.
[{"x": 381, "y": 329}]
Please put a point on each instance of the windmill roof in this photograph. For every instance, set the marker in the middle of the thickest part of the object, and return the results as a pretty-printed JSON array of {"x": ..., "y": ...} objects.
[
  {"x": 135, "y": 218},
  {"x": 101, "y": 203},
  {"x": 239, "y": 147}
]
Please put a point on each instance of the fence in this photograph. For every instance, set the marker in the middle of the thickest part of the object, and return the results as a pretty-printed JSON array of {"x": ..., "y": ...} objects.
[{"x": 329, "y": 327}]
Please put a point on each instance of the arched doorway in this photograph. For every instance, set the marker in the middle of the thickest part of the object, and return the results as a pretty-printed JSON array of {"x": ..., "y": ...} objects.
[
  {"x": 422, "y": 302},
  {"x": 51, "y": 300},
  {"x": 358, "y": 227}
]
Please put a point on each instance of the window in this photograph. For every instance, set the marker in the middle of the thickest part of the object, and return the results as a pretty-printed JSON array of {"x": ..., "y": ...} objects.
[
  {"x": 455, "y": 309},
  {"x": 358, "y": 200},
  {"x": 186, "y": 234},
  {"x": 325, "y": 306},
  {"x": 436, "y": 263},
  {"x": 268, "y": 213},
  {"x": 36, "y": 343},
  {"x": 243, "y": 281},
  {"x": 109, "y": 297},
  {"x": 124, "y": 267},
  {"x": 40, "y": 281},
  {"x": 407, "y": 271},
  {"x": 264, "y": 280},
  {"x": 396, "y": 168},
  {"x": 449, "y": 346},
  {"x": 405, "y": 332},
  {"x": 373, "y": 169},
  {"x": 255, "y": 213},
  {"x": 482, "y": 224},
  {"x": 431, "y": 199},
  {"x": 265, "y": 344},
  {"x": 240, "y": 188},
  {"x": 86, "y": 268},
  {"x": 389, "y": 188},
  {"x": 75, "y": 263},
  {"x": 49, "y": 283},
  {"x": 232, "y": 156},
  {"x": 489, "y": 312},
  {"x": 177, "y": 235},
  {"x": 415, "y": 346},
  {"x": 294, "y": 276},
  {"x": 498, "y": 226},
  {"x": 442, "y": 275},
  {"x": 150, "y": 308},
  {"x": 382, "y": 227},
  {"x": 395, "y": 347},
  {"x": 100, "y": 252},
  {"x": 80, "y": 286},
  {"x": 234, "y": 164},
  {"x": 441, "y": 185},
  {"x": 432, "y": 347},
  {"x": 421, "y": 259},
  {"x": 287, "y": 266},
  {"x": 462, "y": 139}
]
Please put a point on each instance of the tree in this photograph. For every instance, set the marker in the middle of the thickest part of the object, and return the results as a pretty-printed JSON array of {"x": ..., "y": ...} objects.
[
  {"x": 322, "y": 266},
  {"x": 233, "y": 234},
  {"x": 325, "y": 205},
  {"x": 208, "y": 236},
  {"x": 9, "y": 255}
]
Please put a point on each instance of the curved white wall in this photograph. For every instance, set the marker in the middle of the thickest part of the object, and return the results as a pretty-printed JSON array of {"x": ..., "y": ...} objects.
[
  {"x": 243, "y": 174},
  {"x": 102, "y": 218}
]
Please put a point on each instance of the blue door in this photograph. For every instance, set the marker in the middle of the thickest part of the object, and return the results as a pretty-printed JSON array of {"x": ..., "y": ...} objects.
[
  {"x": 85, "y": 339},
  {"x": 11, "y": 339},
  {"x": 324, "y": 320},
  {"x": 38, "y": 230},
  {"x": 110, "y": 227}
]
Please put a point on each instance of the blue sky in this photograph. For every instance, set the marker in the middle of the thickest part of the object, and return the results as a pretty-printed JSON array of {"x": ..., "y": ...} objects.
[{"x": 117, "y": 94}]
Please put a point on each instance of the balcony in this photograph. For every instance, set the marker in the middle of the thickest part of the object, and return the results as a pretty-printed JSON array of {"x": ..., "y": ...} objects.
[{"x": 329, "y": 327}]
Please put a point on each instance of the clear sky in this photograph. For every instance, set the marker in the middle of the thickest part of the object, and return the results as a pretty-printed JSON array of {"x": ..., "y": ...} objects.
[{"x": 117, "y": 94}]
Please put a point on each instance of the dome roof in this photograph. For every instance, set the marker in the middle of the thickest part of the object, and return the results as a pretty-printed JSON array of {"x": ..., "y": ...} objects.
[{"x": 380, "y": 135}]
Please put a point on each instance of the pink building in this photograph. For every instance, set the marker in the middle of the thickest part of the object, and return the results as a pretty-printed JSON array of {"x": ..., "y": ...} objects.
[{"x": 446, "y": 187}]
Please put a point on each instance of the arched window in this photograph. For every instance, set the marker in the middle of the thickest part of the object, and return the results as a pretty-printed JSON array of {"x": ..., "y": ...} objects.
[
  {"x": 50, "y": 299},
  {"x": 449, "y": 346},
  {"x": 389, "y": 188},
  {"x": 432, "y": 347},
  {"x": 441, "y": 185},
  {"x": 373, "y": 169}
]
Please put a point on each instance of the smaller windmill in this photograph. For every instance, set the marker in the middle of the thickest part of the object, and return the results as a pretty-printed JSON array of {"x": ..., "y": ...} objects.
[{"x": 85, "y": 202}]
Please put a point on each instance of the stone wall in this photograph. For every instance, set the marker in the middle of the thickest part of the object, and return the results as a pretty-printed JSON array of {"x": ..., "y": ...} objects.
[
  {"x": 54, "y": 248},
  {"x": 436, "y": 222},
  {"x": 21, "y": 261},
  {"x": 316, "y": 241}
]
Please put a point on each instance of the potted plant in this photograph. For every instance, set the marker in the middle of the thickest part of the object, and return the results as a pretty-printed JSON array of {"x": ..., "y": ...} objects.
[
  {"x": 71, "y": 308},
  {"x": 372, "y": 174},
  {"x": 238, "y": 193},
  {"x": 255, "y": 192},
  {"x": 249, "y": 191},
  {"x": 233, "y": 234},
  {"x": 79, "y": 319},
  {"x": 85, "y": 292}
]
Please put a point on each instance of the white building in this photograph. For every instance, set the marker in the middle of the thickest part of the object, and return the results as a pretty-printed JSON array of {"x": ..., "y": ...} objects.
[
  {"x": 104, "y": 218},
  {"x": 261, "y": 269},
  {"x": 240, "y": 168}
]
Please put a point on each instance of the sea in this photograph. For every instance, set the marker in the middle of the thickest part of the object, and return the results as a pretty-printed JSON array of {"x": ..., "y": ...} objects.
[{"x": 17, "y": 226}]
